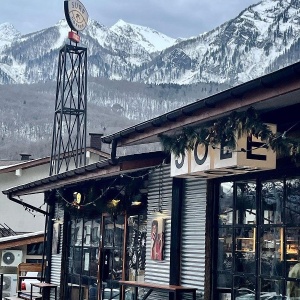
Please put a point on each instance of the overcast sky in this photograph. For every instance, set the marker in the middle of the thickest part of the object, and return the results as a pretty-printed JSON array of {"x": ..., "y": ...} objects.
[{"x": 176, "y": 18}]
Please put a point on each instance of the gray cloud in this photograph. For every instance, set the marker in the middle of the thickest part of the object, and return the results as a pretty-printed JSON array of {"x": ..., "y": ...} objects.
[{"x": 176, "y": 18}]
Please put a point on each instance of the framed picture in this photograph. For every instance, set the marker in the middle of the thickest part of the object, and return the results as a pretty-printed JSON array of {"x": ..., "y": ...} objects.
[{"x": 157, "y": 239}]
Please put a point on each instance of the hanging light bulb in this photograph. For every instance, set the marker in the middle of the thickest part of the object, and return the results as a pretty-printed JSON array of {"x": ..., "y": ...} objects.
[
  {"x": 77, "y": 197},
  {"x": 115, "y": 202}
]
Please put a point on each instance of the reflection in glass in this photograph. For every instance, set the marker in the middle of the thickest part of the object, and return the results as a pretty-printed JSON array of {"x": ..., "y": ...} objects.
[
  {"x": 224, "y": 280},
  {"x": 292, "y": 243},
  {"x": 83, "y": 259},
  {"x": 272, "y": 201},
  {"x": 119, "y": 232},
  {"x": 112, "y": 254},
  {"x": 225, "y": 250},
  {"x": 245, "y": 250},
  {"x": 270, "y": 252},
  {"x": 226, "y": 203},
  {"x": 95, "y": 233},
  {"x": 271, "y": 289},
  {"x": 246, "y": 203},
  {"x": 293, "y": 201},
  {"x": 77, "y": 254},
  {"x": 108, "y": 236},
  {"x": 259, "y": 240},
  {"x": 77, "y": 232},
  {"x": 244, "y": 287},
  {"x": 87, "y": 231},
  {"x": 136, "y": 247}
]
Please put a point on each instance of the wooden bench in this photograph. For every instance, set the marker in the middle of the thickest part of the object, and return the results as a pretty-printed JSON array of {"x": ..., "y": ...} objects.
[
  {"x": 176, "y": 290},
  {"x": 23, "y": 268}
]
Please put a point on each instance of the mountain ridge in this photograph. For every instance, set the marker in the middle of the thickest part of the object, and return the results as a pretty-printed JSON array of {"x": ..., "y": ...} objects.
[
  {"x": 261, "y": 39},
  {"x": 130, "y": 79}
]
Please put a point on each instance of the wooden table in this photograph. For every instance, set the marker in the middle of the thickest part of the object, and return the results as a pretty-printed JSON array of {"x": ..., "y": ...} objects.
[
  {"x": 44, "y": 287},
  {"x": 176, "y": 290}
]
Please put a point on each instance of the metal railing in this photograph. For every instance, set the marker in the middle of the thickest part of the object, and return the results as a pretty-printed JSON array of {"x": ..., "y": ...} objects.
[{"x": 5, "y": 230}]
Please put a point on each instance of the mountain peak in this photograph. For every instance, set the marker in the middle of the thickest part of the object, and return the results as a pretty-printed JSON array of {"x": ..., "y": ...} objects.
[
  {"x": 150, "y": 39},
  {"x": 121, "y": 22},
  {"x": 8, "y": 32},
  {"x": 61, "y": 22}
]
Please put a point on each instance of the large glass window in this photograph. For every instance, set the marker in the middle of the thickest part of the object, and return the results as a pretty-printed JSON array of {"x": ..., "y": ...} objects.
[
  {"x": 112, "y": 255},
  {"x": 258, "y": 240},
  {"x": 83, "y": 259},
  {"x": 136, "y": 247}
]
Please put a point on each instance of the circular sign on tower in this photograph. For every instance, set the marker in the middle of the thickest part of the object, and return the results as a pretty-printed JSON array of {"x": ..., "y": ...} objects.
[{"x": 76, "y": 14}]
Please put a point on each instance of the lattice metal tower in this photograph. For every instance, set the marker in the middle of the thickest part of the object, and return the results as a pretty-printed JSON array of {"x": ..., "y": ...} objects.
[{"x": 69, "y": 129}]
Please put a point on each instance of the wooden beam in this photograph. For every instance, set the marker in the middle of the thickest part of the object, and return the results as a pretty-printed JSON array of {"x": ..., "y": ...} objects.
[
  {"x": 21, "y": 242},
  {"x": 176, "y": 231}
]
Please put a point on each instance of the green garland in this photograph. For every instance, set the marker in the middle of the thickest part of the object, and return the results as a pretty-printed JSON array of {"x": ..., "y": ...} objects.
[{"x": 226, "y": 131}]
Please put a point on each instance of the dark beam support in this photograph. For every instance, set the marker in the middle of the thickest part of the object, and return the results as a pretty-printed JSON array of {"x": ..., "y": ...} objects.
[
  {"x": 176, "y": 226},
  {"x": 65, "y": 254},
  {"x": 210, "y": 232},
  {"x": 10, "y": 197},
  {"x": 49, "y": 237}
]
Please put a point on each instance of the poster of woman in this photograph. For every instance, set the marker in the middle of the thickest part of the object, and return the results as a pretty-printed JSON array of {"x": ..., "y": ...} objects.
[{"x": 157, "y": 239}]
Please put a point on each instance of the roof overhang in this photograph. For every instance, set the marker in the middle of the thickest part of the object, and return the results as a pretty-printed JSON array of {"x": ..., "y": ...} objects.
[
  {"x": 42, "y": 161},
  {"x": 102, "y": 169},
  {"x": 270, "y": 92},
  {"x": 21, "y": 240}
]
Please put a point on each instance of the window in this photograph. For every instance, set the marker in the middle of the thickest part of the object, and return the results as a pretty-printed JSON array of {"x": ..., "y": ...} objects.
[
  {"x": 258, "y": 239},
  {"x": 83, "y": 258},
  {"x": 35, "y": 249},
  {"x": 136, "y": 247}
]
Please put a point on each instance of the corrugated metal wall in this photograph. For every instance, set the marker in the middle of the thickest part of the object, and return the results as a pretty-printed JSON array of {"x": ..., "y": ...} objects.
[
  {"x": 193, "y": 235},
  {"x": 56, "y": 258},
  {"x": 160, "y": 193}
]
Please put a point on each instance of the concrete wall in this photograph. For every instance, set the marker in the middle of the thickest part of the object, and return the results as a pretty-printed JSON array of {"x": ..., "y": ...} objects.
[
  {"x": 13, "y": 270},
  {"x": 15, "y": 215}
]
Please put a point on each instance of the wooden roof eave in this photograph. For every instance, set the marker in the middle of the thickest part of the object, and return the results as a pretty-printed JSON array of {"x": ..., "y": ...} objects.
[{"x": 21, "y": 242}]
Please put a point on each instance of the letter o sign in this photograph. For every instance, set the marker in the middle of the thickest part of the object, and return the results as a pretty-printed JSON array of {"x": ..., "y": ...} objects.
[
  {"x": 200, "y": 160},
  {"x": 181, "y": 163}
]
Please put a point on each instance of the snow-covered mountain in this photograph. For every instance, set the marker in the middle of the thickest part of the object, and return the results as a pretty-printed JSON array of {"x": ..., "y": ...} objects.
[
  {"x": 8, "y": 33},
  {"x": 262, "y": 38},
  {"x": 112, "y": 53},
  {"x": 148, "y": 38}
]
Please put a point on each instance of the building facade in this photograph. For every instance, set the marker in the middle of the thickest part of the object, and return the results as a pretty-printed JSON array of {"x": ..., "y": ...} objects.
[{"x": 226, "y": 223}]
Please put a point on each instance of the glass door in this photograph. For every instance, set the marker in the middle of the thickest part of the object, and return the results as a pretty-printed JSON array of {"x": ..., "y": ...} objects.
[
  {"x": 82, "y": 274},
  {"x": 112, "y": 256}
]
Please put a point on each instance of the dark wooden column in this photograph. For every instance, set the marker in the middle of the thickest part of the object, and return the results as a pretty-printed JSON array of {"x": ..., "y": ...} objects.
[
  {"x": 176, "y": 226},
  {"x": 210, "y": 250},
  {"x": 49, "y": 236}
]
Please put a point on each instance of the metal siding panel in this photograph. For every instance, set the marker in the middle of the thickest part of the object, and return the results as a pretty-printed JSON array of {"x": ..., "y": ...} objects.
[
  {"x": 56, "y": 258},
  {"x": 193, "y": 234},
  {"x": 160, "y": 186}
]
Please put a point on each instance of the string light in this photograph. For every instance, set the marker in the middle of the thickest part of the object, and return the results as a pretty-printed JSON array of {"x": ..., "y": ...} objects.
[
  {"x": 31, "y": 211},
  {"x": 103, "y": 194}
]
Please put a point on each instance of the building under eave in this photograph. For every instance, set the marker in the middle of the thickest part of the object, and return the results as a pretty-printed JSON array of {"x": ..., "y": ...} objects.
[
  {"x": 231, "y": 221},
  {"x": 27, "y": 218}
]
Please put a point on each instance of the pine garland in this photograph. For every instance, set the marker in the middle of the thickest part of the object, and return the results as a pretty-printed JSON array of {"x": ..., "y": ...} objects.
[{"x": 226, "y": 131}]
